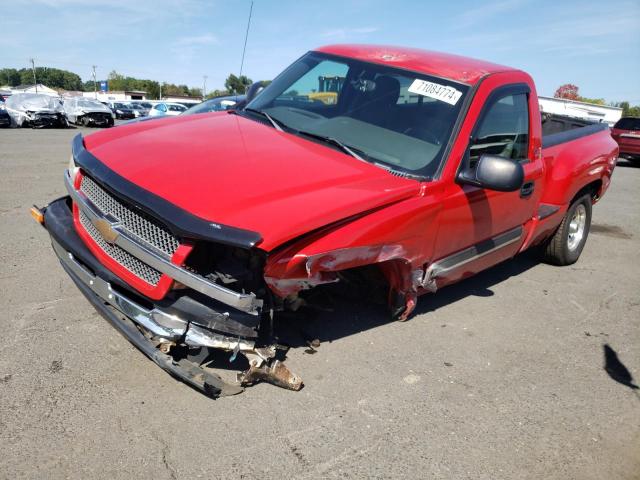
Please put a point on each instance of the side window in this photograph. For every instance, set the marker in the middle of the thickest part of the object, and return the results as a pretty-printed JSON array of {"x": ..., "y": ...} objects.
[
  {"x": 162, "y": 107},
  {"x": 322, "y": 84},
  {"x": 504, "y": 130}
]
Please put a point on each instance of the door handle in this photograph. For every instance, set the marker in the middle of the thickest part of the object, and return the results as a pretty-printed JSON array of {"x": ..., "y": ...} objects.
[{"x": 527, "y": 189}]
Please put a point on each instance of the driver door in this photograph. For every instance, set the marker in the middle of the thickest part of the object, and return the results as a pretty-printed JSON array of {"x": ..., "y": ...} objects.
[{"x": 481, "y": 227}]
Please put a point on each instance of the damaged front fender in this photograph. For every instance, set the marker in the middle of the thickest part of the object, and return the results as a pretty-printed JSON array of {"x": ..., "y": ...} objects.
[{"x": 289, "y": 275}]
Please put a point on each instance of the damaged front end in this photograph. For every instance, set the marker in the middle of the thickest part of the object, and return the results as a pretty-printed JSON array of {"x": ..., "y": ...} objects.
[
  {"x": 96, "y": 119},
  {"x": 180, "y": 302},
  {"x": 44, "y": 120},
  {"x": 178, "y": 332},
  {"x": 199, "y": 298}
]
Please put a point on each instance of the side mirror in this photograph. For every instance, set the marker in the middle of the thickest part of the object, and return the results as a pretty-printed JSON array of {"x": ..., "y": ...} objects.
[
  {"x": 254, "y": 90},
  {"x": 494, "y": 173}
]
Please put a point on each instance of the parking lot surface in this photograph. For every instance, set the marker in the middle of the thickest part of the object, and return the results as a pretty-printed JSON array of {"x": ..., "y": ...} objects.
[{"x": 498, "y": 377}]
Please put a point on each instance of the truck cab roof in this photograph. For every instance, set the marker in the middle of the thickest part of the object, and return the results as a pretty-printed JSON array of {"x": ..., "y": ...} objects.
[{"x": 454, "y": 67}]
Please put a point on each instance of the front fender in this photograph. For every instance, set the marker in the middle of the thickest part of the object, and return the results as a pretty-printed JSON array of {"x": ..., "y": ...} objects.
[{"x": 398, "y": 238}]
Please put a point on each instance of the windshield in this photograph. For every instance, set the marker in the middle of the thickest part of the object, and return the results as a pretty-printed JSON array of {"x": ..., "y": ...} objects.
[
  {"x": 400, "y": 118},
  {"x": 90, "y": 104},
  {"x": 120, "y": 105}
]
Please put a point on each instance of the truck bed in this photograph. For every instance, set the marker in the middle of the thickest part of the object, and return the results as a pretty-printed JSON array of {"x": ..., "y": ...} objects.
[{"x": 558, "y": 129}]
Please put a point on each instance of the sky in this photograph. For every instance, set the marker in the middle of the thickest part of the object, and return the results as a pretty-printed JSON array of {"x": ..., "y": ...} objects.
[{"x": 593, "y": 44}]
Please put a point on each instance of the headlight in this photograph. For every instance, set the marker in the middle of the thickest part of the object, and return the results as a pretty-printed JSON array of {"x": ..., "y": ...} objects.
[
  {"x": 118, "y": 111},
  {"x": 2, "y": 107}
]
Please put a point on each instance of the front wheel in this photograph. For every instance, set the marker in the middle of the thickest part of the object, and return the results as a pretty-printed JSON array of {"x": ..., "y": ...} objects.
[{"x": 565, "y": 246}]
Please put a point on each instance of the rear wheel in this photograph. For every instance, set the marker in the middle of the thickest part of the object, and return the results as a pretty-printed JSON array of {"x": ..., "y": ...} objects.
[{"x": 565, "y": 246}]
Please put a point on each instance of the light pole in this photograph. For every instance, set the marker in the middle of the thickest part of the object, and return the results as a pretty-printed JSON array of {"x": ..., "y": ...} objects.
[
  {"x": 33, "y": 69},
  {"x": 95, "y": 88},
  {"x": 204, "y": 87}
]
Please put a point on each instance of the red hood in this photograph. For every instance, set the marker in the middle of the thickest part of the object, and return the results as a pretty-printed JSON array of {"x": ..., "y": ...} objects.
[{"x": 235, "y": 171}]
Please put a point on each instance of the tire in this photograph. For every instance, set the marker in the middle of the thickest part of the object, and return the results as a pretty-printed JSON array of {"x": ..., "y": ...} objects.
[{"x": 565, "y": 246}]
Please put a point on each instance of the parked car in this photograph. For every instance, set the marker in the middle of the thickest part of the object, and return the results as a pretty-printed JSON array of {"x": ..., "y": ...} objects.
[
  {"x": 138, "y": 109},
  {"x": 192, "y": 235},
  {"x": 121, "y": 110},
  {"x": 626, "y": 132},
  {"x": 166, "y": 108},
  {"x": 35, "y": 110},
  {"x": 188, "y": 104},
  {"x": 5, "y": 119},
  {"x": 88, "y": 112},
  {"x": 217, "y": 104}
]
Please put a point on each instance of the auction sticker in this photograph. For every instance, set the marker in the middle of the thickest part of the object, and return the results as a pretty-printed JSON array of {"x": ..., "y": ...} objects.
[{"x": 434, "y": 90}]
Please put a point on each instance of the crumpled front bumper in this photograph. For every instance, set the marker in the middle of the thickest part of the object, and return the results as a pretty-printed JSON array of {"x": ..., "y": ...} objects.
[
  {"x": 46, "y": 120},
  {"x": 112, "y": 298},
  {"x": 99, "y": 118}
]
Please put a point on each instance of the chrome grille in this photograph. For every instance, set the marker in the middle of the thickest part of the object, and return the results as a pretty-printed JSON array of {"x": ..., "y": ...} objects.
[
  {"x": 143, "y": 227},
  {"x": 124, "y": 258}
]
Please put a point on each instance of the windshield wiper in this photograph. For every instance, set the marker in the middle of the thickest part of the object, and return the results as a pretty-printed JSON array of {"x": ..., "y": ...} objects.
[
  {"x": 401, "y": 173},
  {"x": 277, "y": 124},
  {"x": 334, "y": 141}
]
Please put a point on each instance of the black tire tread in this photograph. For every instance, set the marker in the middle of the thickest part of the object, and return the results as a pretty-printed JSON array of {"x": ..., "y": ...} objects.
[{"x": 555, "y": 250}]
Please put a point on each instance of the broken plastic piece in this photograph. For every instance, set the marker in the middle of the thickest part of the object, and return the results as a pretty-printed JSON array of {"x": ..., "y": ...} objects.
[
  {"x": 276, "y": 374},
  {"x": 234, "y": 355}
]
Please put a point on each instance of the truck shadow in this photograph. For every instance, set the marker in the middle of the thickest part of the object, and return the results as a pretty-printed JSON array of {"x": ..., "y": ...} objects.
[
  {"x": 349, "y": 317},
  {"x": 616, "y": 370}
]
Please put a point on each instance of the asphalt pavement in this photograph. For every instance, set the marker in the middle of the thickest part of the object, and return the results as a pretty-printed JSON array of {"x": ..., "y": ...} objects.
[{"x": 499, "y": 377}]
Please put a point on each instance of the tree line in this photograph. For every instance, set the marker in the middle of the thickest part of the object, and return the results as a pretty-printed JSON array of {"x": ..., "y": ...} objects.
[
  {"x": 64, "y": 79},
  {"x": 51, "y": 77}
]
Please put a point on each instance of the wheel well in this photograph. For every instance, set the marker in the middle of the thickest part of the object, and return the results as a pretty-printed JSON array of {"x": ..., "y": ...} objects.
[{"x": 592, "y": 189}]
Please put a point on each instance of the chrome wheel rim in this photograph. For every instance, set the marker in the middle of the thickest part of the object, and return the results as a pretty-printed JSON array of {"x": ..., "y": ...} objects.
[{"x": 576, "y": 227}]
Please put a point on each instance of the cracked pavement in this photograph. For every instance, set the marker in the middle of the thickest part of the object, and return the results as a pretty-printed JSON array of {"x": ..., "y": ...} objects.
[{"x": 498, "y": 377}]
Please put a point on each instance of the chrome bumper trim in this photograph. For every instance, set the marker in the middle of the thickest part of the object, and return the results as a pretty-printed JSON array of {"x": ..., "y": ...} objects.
[
  {"x": 158, "y": 260},
  {"x": 156, "y": 321},
  {"x": 199, "y": 337}
]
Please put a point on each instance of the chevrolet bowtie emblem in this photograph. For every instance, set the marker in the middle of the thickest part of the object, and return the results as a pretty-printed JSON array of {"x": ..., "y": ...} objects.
[{"x": 106, "y": 230}]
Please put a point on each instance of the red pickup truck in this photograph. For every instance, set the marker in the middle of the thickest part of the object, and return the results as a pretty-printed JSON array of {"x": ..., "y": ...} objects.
[{"x": 404, "y": 168}]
